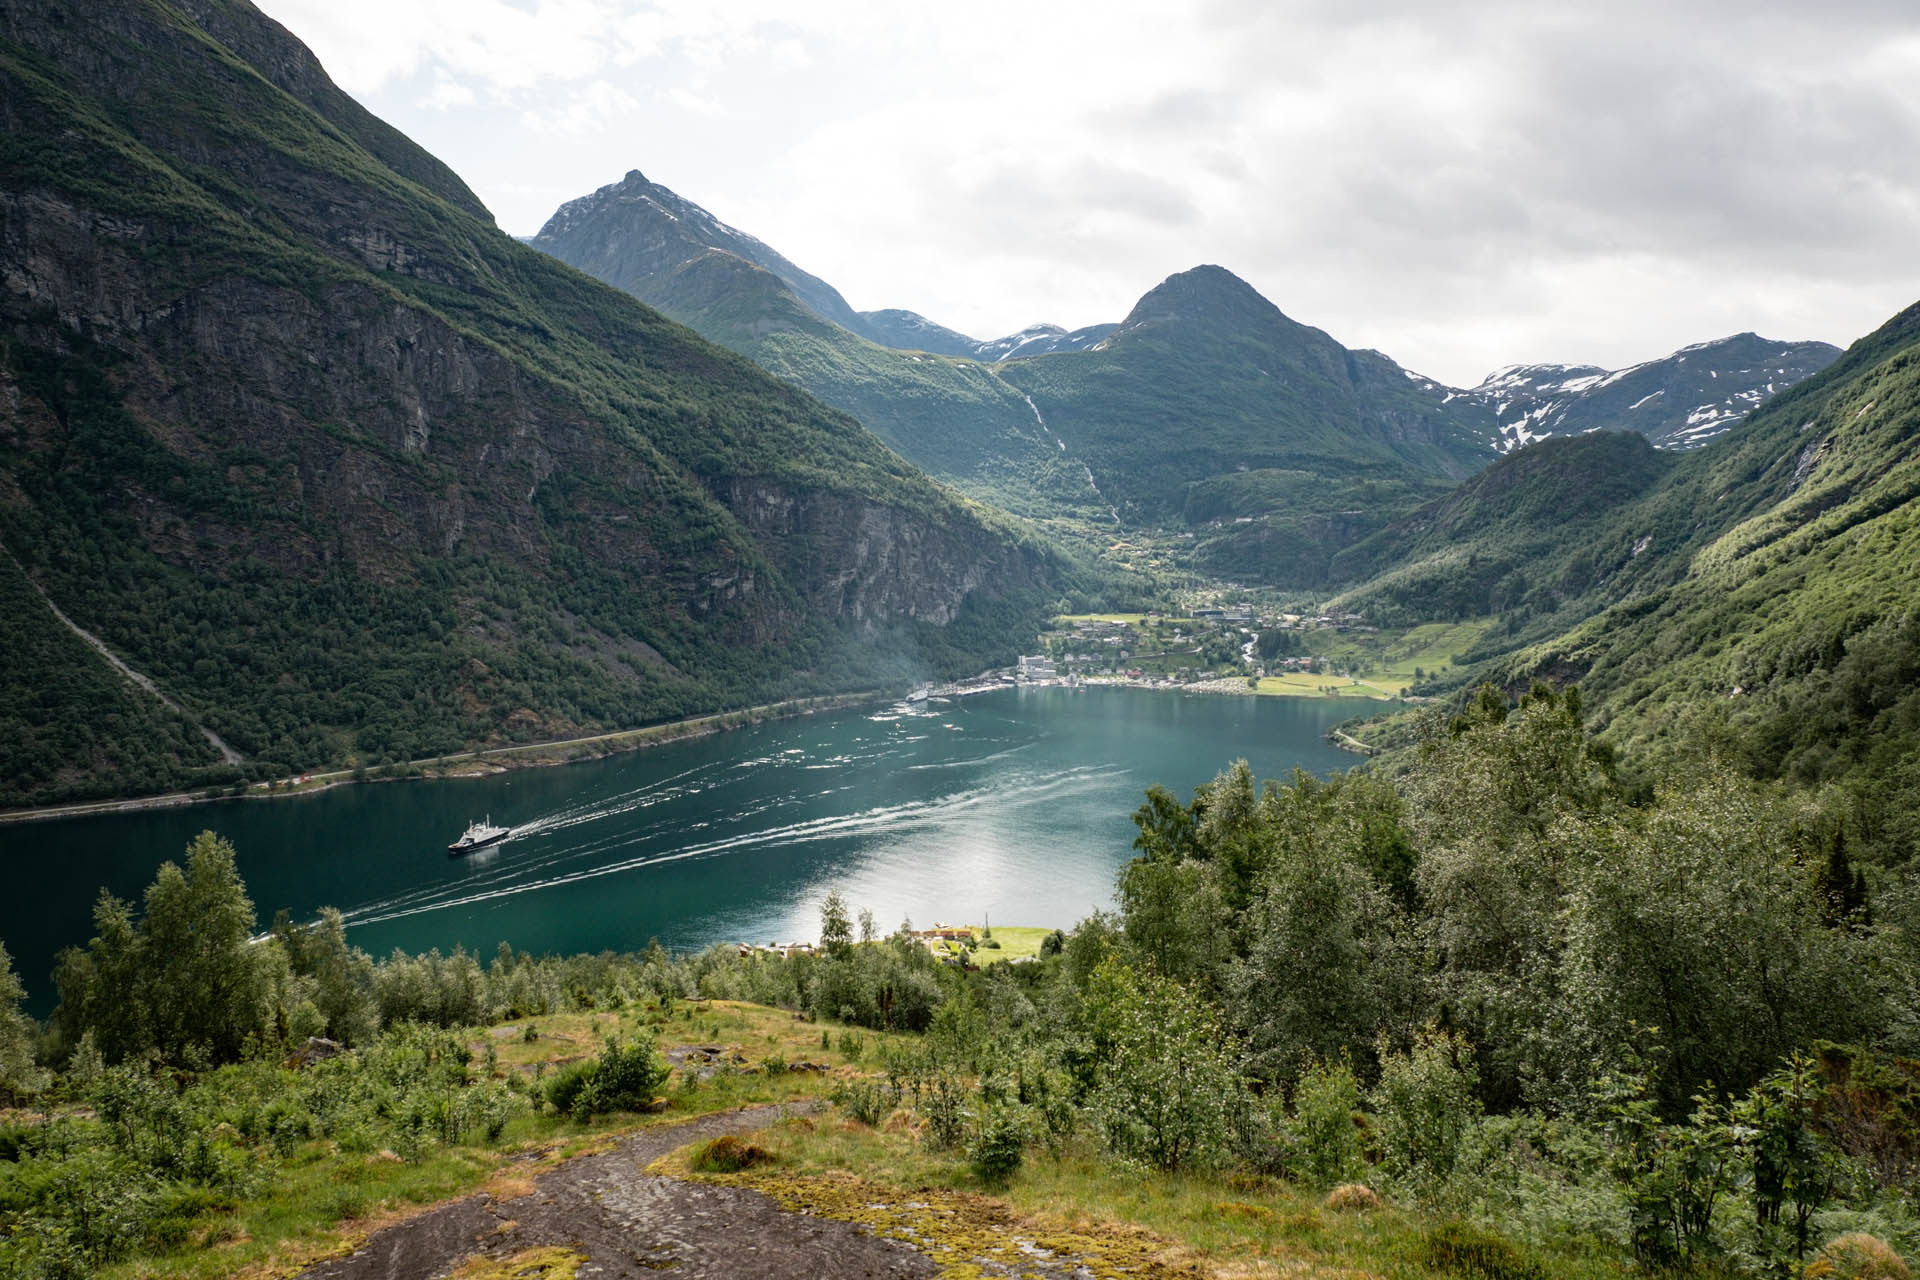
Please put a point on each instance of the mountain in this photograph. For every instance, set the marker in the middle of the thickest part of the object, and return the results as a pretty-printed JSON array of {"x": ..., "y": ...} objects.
[
  {"x": 1042, "y": 340},
  {"x": 1275, "y": 448},
  {"x": 1753, "y": 597},
  {"x": 1209, "y": 407},
  {"x": 350, "y": 476},
  {"x": 909, "y": 331},
  {"x": 1774, "y": 582},
  {"x": 947, "y": 414},
  {"x": 1207, "y": 378},
  {"x": 1679, "y": 402},
  {"x": 635, "y": 233},
  {"x": 1206, "y": 405}
]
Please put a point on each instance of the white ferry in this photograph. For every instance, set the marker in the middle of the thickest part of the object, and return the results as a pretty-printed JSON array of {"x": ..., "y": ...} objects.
[{"x": 479, "y": 836}]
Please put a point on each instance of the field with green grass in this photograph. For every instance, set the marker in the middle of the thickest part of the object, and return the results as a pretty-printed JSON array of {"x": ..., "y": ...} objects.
[
  {"x": 1396, "y": 657},
  {"x": 997, "y": 942},
  {"x": 1304, "y": 684}
]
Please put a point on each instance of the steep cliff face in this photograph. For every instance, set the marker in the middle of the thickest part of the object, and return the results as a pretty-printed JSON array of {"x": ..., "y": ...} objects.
[
  {"x": 290, "y": 425},
  {"x": 874, "y": 565}
]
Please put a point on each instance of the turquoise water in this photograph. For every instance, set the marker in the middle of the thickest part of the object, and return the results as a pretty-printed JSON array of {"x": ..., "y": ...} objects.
[{"x": 1013, "y": 805}]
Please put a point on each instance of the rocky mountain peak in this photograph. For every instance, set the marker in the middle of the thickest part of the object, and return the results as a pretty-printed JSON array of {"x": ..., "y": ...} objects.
[{"x": 1207, "y": 294}]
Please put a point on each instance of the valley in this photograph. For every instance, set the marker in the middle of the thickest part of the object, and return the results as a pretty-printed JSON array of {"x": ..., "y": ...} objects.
[{"x": 1447, "y": 832}]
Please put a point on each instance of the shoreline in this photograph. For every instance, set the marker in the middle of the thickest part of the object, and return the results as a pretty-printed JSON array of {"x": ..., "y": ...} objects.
[
  {"x": 1236, "y": 687},
  {"x": 481, "y": 762},
  {"x": 487, "y": 761}
]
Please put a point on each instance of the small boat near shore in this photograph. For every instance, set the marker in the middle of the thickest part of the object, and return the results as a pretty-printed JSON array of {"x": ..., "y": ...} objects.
[{"x": 479, "y": 835}]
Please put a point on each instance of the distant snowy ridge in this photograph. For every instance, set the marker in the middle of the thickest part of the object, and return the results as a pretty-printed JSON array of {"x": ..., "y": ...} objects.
[{"x": 1678, "y": 402}]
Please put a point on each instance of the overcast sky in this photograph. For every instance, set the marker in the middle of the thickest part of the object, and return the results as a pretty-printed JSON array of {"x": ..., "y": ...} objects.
[{"x": 1460, "y": 185}]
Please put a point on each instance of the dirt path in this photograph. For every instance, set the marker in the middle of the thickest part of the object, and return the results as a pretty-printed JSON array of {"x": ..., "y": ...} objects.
[{"x": 629, "y": 1223}]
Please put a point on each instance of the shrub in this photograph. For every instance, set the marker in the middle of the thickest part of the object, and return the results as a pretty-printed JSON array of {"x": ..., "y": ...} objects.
[
  {"x": 1424, "y": 1107},
  {"x": 944, "y": 1107},
  {"x": 626, "y": 1078},
  {"x": 1325, "y": 1141},
  {"x": 623, "y": 1079},
  {"x": 16, "y": 1140},
  {"x": 999, "y": 1147},
  {"x": 727, "y": 1154},
  {"x": 1672, "y": 1175},
  {"x": 1351, "y": 1197},
  {"x": 1460, "y": 1250},
  {"x": 566, "y": 1084},
  {"x": 1168, "y": 1084},
  {"x": 868, "y": 1101},
  {"x": 1858, "y": 1256}
]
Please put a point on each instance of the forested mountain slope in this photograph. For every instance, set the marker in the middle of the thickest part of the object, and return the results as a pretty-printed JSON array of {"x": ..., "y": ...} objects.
[
  {"x": 1509, "y": 538},
  {"x": 1208, "y": 410},
  {"x": 1206, "y": 387},
  {"x": 1760, "y": 593},
  {"x": 1796, "y": 608},
  {"x": 353, "y": 476},
  {"x": 1207, "y": 403}
]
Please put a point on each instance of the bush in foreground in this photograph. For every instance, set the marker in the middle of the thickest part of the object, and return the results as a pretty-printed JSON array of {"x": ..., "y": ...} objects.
[{"x": 627, "y": 1076}]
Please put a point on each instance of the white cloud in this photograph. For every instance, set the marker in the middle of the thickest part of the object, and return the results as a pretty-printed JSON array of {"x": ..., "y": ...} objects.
[
  {"x": 1459, "y": 184},
  {"x": 447, "y": 93}
]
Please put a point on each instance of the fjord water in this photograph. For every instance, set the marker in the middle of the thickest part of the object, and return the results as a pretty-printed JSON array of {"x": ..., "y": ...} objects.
[{"x": 1014, "y": 806}]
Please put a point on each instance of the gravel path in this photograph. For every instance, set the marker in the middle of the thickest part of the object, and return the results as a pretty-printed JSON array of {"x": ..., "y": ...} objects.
[{"x": 629, "y": 1223}]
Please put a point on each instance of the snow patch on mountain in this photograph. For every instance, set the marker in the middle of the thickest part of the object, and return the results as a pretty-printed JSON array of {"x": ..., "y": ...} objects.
[{"x": 1681, "y": 402}]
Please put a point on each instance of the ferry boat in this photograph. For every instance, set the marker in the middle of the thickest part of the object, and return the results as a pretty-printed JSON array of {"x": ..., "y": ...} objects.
[{"x": 479, "y": 835}]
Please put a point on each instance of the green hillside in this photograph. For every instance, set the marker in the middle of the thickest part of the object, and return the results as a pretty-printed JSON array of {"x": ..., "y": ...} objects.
[
  {"x": 1794, "y": 617},
  {"x": 353, "y": 476},
  {"x": 1207, "y": 412},
  {"x": 1754, "y": 599},
  {"x": 1207, "y": 379},
  {"x": 1510, "y": 540},
  {"x": 952, "y": 417}
]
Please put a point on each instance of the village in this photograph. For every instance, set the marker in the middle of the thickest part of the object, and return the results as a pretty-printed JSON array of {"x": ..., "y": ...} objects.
[
  {"x": 1232, "y": 648},
  {"x": 1206, "y": 643}
]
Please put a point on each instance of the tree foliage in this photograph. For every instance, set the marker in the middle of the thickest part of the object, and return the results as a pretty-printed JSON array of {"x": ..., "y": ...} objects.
[{"x": 183, "y": 978}]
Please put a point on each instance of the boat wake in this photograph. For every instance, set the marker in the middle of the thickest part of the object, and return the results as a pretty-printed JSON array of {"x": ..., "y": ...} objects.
[{"x": 631, "y": 848}]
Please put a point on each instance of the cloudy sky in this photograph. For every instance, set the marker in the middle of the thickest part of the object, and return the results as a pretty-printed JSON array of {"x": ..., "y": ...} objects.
[{"x": 1460, "y": 185}]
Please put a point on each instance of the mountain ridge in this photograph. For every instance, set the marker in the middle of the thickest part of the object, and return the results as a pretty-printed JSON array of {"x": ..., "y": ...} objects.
[
  {"x": 1673, "y": 405},
  {"x": 1157, "y": 446}
]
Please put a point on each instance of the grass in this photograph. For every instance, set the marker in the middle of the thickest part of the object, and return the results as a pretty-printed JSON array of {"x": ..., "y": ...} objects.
[
  {"x": 549, "y": 1263},
  {"x": 1303, "y": 684},
  {"x": 1392, "y": 659},
  {"x": 1017, "y": 942},
  {"x": 1114, "y": 1219},
  {"x": 1399, "y": 656}
]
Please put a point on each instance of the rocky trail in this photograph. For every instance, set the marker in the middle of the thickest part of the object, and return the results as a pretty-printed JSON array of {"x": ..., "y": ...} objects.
[{"x": 629, "y": 1223}]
